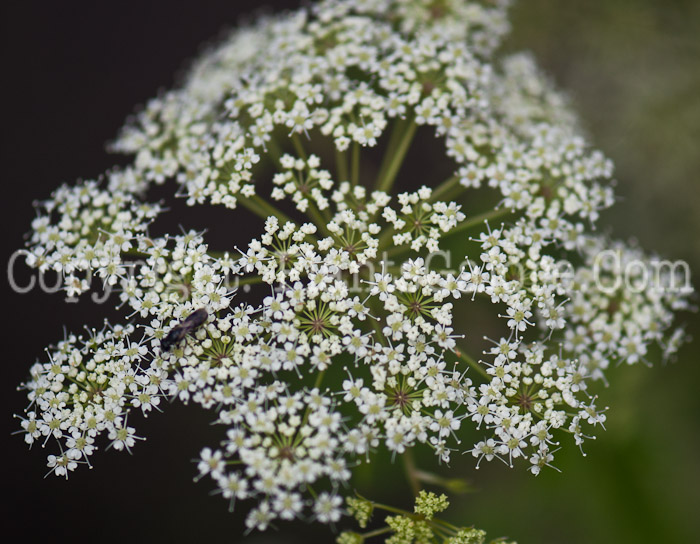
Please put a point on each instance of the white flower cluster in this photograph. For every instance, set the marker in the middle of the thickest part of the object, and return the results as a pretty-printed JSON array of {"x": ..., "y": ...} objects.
[
  {"x": 348, "y": 352},
  {"x": 86, "y": 228},
  {"x": 85, "y": 389}
]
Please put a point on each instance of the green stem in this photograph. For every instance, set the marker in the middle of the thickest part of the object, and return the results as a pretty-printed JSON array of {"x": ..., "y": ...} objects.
[
  {"x": 217, "y": 254},
  {"x": 436, "y": 523},
  {"x": 252, "y": 206},
  {"x": 134, "y": 253},
  {"x": 444, "y": 188},
  {"x": 396, "y": 129},
  {"x": 299, "y": 147},
  {"x": 478, "y": 220},
  {"x": 447, "y": 525},
  {"x": 251, "y": 280},
  {"x": 455, "y": 194},
  {"x": 314, "y": 213},
  {"x": 392, "y": 509},
  {"x": 471, "y": 362},
  {"x": 355, "y": 168},
  {"x": 410, "y": 466},
  {"x": 376, "y": 532},
  {"x": 264, "y": 209},
  {"x": 307, "y": 412},
  {"x": 455, "y": 485},
  {"x": 387, "y": 177},
  {"x": 274, "y": 151},
  {"x": 341, "y": 163},
  {"x": 319, "y": 379}
]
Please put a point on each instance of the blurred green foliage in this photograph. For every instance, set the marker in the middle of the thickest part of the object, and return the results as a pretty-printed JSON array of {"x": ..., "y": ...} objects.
[{"x": 632, "y": 70}]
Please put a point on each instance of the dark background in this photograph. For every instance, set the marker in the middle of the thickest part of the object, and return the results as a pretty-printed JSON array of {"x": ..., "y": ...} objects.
[{"x": 71, "y": 75}]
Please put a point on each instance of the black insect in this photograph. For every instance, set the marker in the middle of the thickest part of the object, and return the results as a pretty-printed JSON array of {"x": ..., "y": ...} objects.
[{"x": 191, "y": 323}]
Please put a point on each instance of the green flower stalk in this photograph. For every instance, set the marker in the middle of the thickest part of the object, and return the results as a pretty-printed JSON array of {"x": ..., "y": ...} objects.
[
  {"x": 350, "y": 341},
  {"x": 421, "y": 526}
]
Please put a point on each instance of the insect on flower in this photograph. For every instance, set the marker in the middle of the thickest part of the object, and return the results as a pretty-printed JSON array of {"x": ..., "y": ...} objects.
[{"x": 185, "y": 327}]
